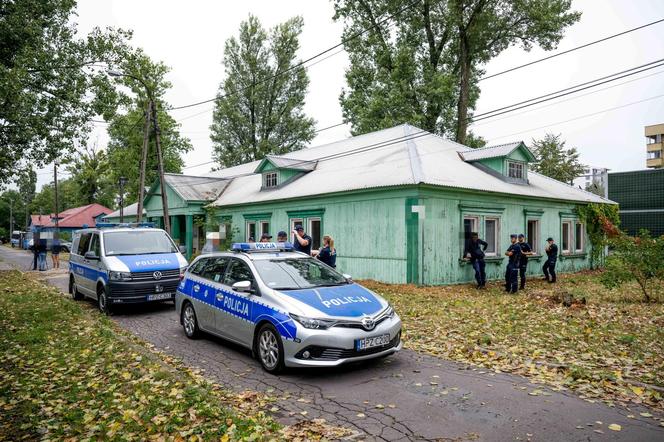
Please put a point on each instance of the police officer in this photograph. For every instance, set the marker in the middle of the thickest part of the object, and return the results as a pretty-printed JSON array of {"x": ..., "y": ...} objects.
[
  {"x": 526, "y": 251},
  {"x": 549, "y": 267},
  {"x": 266, "y": 237},
  {"x": 512, "y": 273},
  {"x": 475, "y": 248},
  {"x": 302, "y": 241},
  {"x": 282, "y": 236}
]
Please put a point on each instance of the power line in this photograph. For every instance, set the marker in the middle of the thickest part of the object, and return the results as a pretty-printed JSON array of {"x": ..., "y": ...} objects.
[
  {"x": 302, "y": 63},
  {"x": 580, "y": 117},
  {"x": 572, "y": 49},
  {"x": 566, "y": 91}
]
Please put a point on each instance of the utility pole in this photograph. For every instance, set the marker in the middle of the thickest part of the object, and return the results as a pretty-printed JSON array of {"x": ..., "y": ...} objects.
[
  {"x": 56, "y": 234},
  {"x": 144, "y": 160},
  {"x": 11, "y": 221},
  {"x": 122, "y": 181},
  {"x": 160, "y": 164}
]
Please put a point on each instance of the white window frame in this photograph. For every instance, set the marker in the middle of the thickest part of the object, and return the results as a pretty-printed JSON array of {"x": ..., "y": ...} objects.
[
  {"x": 570, "y": 237},
  {"x": 581, "y": 237},
  {"x": 293, "y": 223},
  {"x": 310, "y": 229},
  {"x": 536, "y": 241},
  {"x": 518, "y": 167},
  {"x": 270, "y": 180},
  {"x": 265, "y": 227},
  {"x": 248, "y": 230},
  {"x": 496, "y": 238}
]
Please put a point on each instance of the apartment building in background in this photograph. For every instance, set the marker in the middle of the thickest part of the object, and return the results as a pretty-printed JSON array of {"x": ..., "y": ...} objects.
[{"x": 655, "y": 146}]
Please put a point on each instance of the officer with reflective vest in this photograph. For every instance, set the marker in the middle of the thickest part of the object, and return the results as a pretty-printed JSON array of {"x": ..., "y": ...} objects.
[
  {"x": 549, "y": 267},
  {"x": 526, "y": 251},
  {"x": 512, "y": 273}
]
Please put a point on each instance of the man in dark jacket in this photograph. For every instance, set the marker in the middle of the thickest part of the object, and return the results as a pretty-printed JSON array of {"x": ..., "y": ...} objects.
[
  {"x": 551, "y": 258},
  {"x": 512, "y": 273},
  {"x": 526, "y": 251},
  {"x": 475, "y": 248}
]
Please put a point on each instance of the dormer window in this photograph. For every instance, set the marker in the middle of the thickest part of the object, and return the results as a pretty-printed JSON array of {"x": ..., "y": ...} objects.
[
  {"x": 270, "y": 180},
  {"x": 516, "y": 170}
]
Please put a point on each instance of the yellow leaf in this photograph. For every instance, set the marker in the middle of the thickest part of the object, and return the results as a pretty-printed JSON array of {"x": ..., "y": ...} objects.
[
  {"x": 615, "y": 427},
  {"x": 637, "y": 390},
  {"x": 224, "y": 438},
  {"x": 126, "y": 375}
]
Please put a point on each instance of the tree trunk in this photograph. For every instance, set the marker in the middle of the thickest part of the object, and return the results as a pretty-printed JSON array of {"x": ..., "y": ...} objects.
[{"x": 464, "y": 90}]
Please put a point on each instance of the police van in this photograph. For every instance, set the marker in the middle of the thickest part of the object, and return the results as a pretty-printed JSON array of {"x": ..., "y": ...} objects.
[
  {"x": 287, "y": 307},
  {"x": 122, "y": 264}
]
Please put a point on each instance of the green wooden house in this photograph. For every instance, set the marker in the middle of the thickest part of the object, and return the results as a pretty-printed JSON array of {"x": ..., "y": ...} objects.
[{"x": 401, "y": 202}]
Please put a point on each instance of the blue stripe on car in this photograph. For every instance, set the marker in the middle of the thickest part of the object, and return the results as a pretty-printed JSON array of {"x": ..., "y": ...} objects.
[
  {"x": 250, "y": 310},
  {"x": 88, "y": 272},
  {"x": 344, "y": 300}
]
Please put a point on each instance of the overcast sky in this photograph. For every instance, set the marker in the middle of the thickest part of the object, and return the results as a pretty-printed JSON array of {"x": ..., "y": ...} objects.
[{"x": 189, "y": 37}]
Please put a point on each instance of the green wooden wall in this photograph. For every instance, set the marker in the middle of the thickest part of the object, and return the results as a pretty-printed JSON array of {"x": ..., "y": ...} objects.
[{"x": 382, "y": 234}]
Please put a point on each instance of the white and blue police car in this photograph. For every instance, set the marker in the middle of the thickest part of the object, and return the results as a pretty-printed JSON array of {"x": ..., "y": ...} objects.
[
  {"x": 287, "y": 307},
  {"x": 123, "y": 264}
]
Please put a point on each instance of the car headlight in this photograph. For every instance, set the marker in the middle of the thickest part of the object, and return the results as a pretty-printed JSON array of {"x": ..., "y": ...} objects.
[
  {"x": 119, "y": 276},
  {"x": 315, "y": 323}
]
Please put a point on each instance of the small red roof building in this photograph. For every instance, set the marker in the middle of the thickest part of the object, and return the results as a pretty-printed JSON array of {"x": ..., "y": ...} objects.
[{"x": 74, "y": 218}]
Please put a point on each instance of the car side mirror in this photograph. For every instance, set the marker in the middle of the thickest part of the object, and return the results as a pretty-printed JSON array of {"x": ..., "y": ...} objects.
[
  {"x": 91, "y": 256},
  {"x": 243, "y": 287},
  {"x": 182, "y": 249},
  {"x": 347, "y": 277}
]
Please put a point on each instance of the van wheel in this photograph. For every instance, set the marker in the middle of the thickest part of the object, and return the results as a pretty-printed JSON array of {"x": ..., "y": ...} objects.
[
  {"x": 75, "y": 294},
  {"x": 270, "y": 349},
  {"x": 190, "y": 322},
  {"x": 102, "y": 302}
]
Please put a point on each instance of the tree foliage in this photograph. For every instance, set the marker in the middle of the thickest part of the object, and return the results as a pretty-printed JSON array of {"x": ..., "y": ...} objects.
[
  {"x": 636, "y": 258},
  {"x": 48, "y": 86},
  {"x": 90, "y": 172},
  {"x": 259, "y": 109},
  {"x": 601, "y": 221},
  {"x": 554, "y": 160},
  {"x": 423, "y": 66}
]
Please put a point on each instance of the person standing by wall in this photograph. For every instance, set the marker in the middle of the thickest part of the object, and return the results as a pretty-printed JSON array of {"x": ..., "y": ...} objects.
[
  {"x": 302, "y": 241},
  {"x": 549, "y": 267},
  {"x": 526, "y": 251},
  {"x": 474, "y": 251},
  {"x": 327, "y": 253},
  {"x": 512, "y": 273}
]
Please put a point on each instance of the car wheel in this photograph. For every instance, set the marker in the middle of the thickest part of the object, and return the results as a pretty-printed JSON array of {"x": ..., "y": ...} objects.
[
  {"x": 73, "y": 289},
  {"x": 190, "y": 322},
  {"x": 102, "y": 302},
  {"x": 270, "y": 349}
]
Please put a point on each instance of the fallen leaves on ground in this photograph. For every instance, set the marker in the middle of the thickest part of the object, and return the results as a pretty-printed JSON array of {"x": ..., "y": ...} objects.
[
  {"x": 68, "y": 372},
  {"x": 609, "y": 348}
]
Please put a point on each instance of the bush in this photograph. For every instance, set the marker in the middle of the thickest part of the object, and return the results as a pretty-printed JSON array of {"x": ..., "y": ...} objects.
[{"x": 635, "y": 258}]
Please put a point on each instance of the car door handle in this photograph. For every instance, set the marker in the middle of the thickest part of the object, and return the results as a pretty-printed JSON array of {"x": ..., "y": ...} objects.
[
  {"x": 220, "y": 296},
  {"x": 197, "y": 288}
]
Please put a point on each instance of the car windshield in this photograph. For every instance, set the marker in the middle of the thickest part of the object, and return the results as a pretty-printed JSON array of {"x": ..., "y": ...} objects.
[
  {"x": 137, "y": 242},
  {"x": 297, "y": 273}
]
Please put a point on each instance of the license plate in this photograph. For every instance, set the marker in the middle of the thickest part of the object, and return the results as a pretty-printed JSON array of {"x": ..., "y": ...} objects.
[
  {"x": 371, "y": 342},
  {"x": 160, "y": 296}
]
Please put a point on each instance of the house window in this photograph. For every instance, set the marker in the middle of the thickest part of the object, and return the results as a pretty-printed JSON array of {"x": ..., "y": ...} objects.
[
  {"x": 654, "y": 154},
  {"x": 515, "y": 170},
  {"x": 470, "y": 225},
  {"x": 270, "y": 180},
  {"x": 567, "y": 237},
  {"x": 314, "y": 232},
  {"x": 534, "y": 235},
  {"x": 578, "y": 238},
  {"x": 491, "y": 236},
  {"x": 251, "y": 230},
  {"x": 265, "y": 227}
]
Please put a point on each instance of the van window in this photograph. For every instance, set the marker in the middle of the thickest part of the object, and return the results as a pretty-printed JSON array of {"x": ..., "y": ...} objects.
[
  {"x": 138, "y": 242},
  {"x": 83, "y": 243},
  {"x": 94, "y": 245}
]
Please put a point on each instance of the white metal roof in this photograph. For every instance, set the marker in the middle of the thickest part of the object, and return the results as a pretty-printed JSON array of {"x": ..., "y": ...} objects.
[
  {"x": 399, "y": 155},
  {"x": 130, "y": 210},
  {"x": 196, "y": 188},
  {"x": 291, "y": 163},
  {"x": 483, "y": 153}
]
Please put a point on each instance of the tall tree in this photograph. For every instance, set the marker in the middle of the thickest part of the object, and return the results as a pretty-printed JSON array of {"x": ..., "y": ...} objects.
[
  {"x": 555, "y": 161},
  {"x": 47, "y": 81},
  {"x": 90, "y": 172},
  {"x": 422, "y": 66},
  {"x": 259, "y": 109},
  {"x": 27, "y": 187}
]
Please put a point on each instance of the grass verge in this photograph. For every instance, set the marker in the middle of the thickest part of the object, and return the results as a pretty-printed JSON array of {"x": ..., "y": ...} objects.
[
  {"x": 610, "y": 349},
  {"x": 65, "y": 373}
]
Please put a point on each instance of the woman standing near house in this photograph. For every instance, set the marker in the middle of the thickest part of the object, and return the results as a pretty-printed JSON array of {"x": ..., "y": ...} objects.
[{"x": 327, "y": 253}]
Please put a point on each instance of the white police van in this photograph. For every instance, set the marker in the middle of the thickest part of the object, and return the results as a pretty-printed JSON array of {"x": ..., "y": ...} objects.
[
  {"x": 123, "y": 264},
  {"x": 287, "y": 307}
]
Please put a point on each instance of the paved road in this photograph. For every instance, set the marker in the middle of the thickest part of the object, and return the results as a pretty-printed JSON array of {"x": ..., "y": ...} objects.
[{"x": 408, "y": 396}]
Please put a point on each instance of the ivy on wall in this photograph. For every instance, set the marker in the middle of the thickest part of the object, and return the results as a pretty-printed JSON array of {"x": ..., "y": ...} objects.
[{"x": 601, "y": 222}]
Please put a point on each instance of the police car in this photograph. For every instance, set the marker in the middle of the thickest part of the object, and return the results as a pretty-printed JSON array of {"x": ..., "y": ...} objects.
[
  {"x": 122, "y": 264},
  {"x": 288, "y": 308}
]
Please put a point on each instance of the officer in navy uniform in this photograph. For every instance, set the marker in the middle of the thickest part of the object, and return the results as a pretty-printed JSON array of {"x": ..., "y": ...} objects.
[
  {"x": 512, "y": 273},
  {"x": 302, "y": 241},
  {"x": 475, "y": 248},
  {"x": 549, "y": 267},
  {"x": 526, "y": 251}
]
